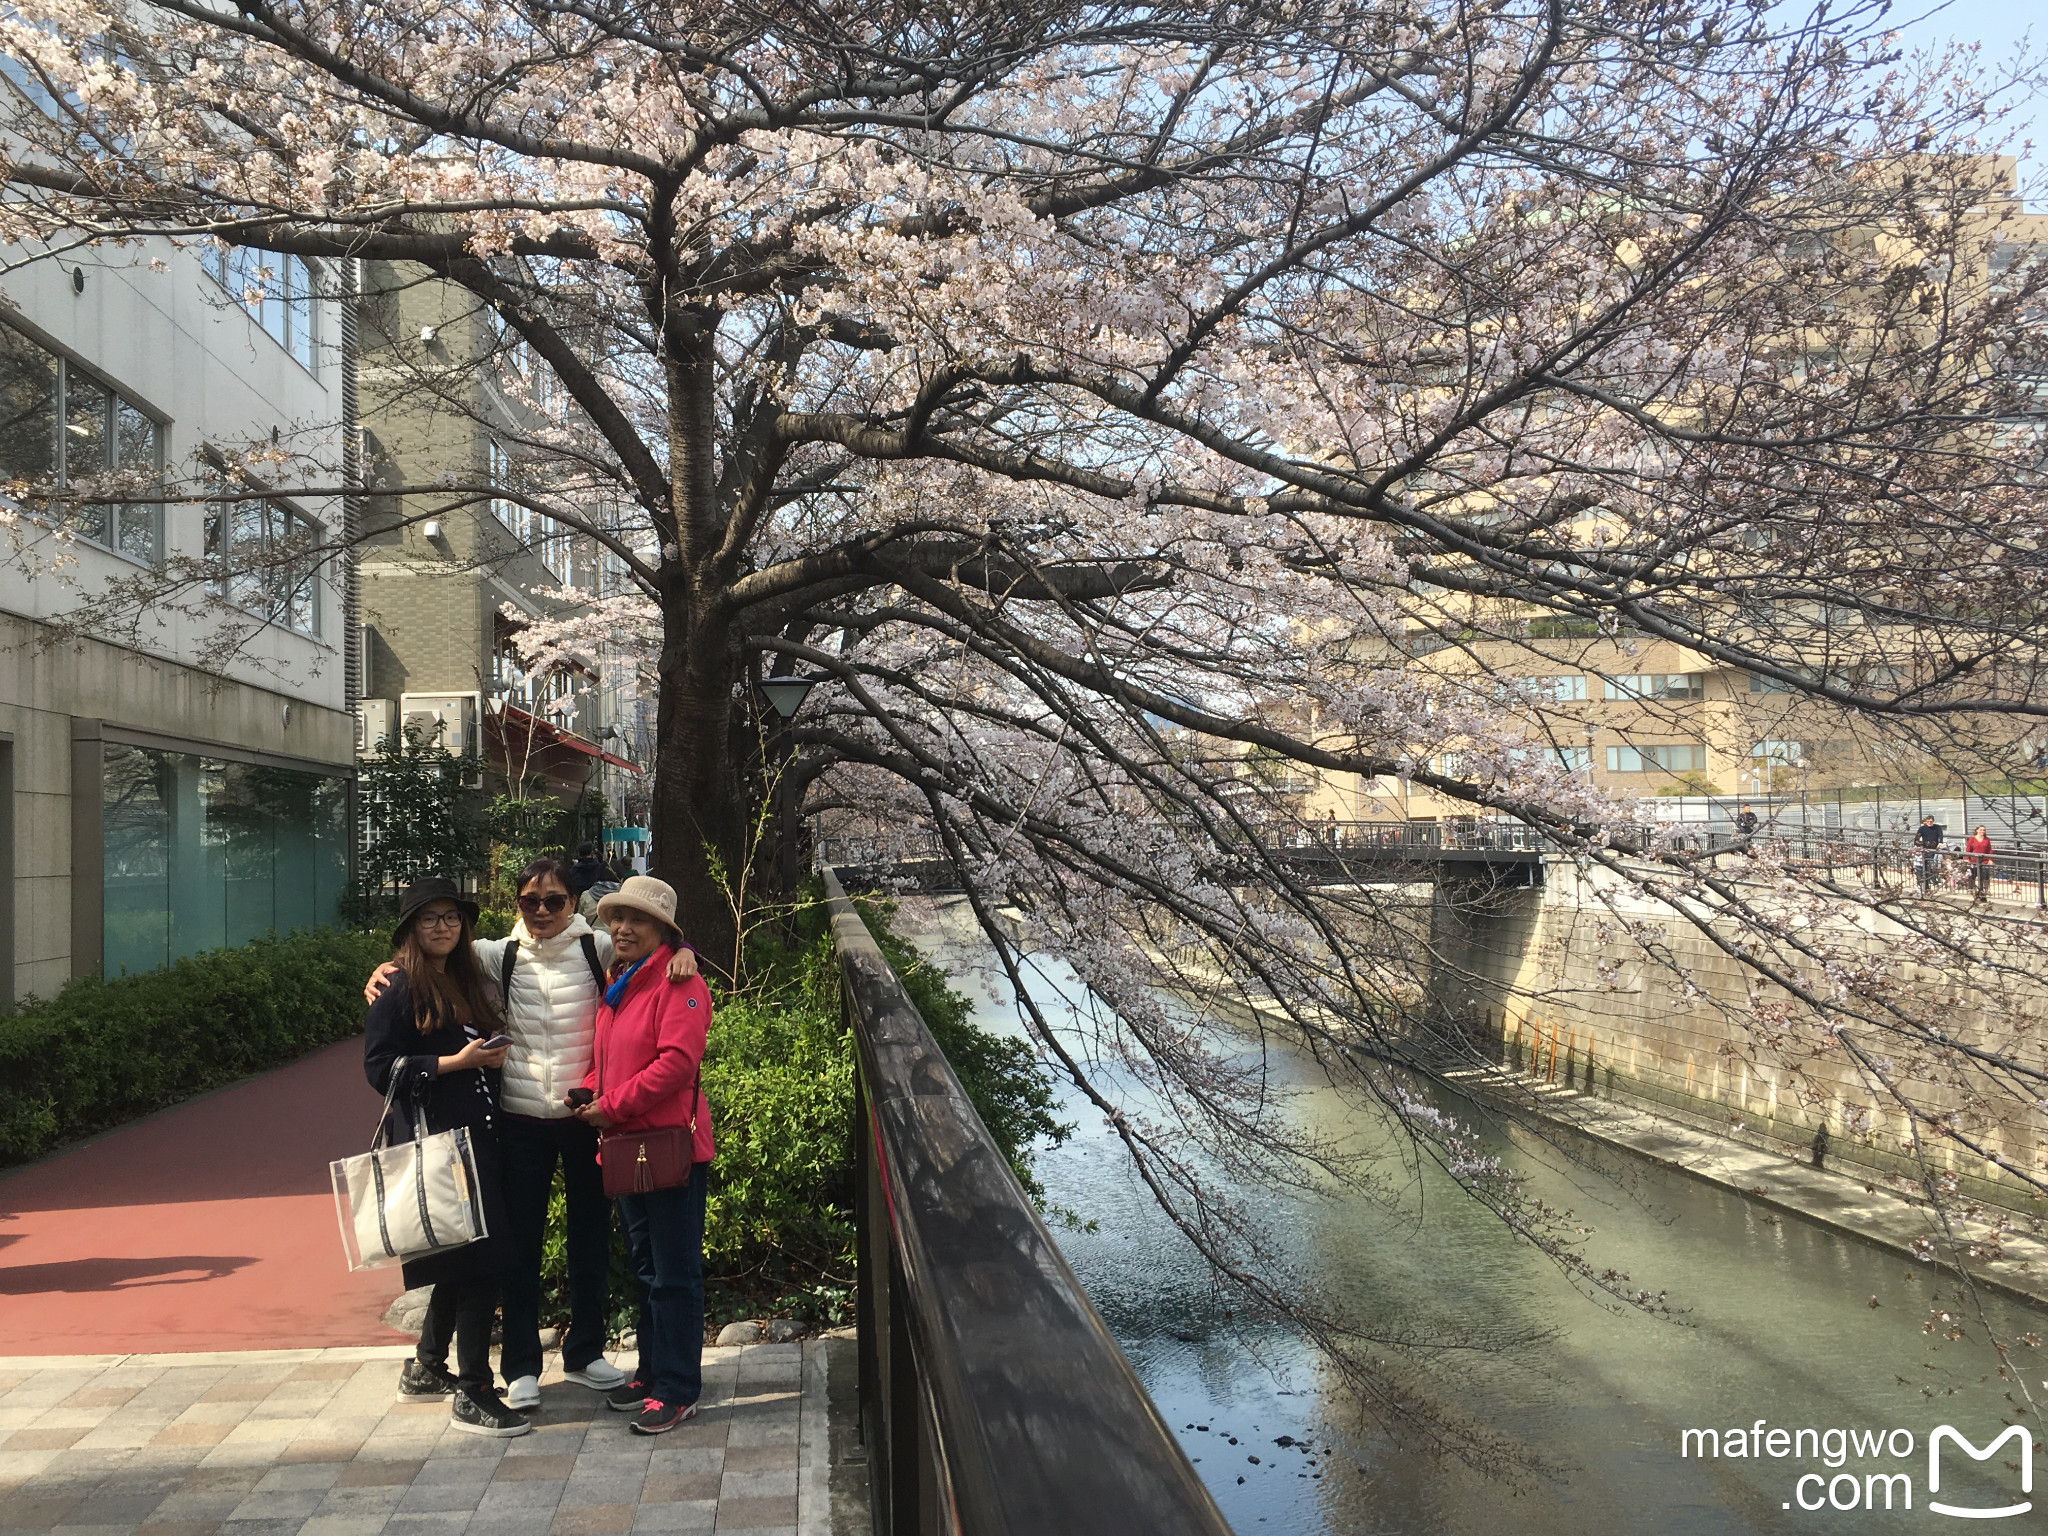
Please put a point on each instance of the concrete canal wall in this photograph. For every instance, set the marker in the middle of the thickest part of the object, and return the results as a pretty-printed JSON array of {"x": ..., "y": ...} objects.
[{"x": 1586, "y": 983}]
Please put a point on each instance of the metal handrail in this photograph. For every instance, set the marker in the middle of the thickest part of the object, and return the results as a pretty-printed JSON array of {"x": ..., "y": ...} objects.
[{"x": 993, "y": 1400}]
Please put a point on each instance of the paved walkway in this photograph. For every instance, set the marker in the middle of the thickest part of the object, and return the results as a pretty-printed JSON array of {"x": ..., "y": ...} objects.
[
  {"x": 209, "y": 1230},
  {"x": 210, "y": 1226},
  {"x": 315, "y": 1443}
]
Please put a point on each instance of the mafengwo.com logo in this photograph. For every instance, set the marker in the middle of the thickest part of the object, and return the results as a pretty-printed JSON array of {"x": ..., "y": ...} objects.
[{"x": 1885, "y": 1462}]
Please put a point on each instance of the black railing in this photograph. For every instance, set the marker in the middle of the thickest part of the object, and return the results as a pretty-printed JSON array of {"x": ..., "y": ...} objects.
[{"x": 993, "y": 1401}]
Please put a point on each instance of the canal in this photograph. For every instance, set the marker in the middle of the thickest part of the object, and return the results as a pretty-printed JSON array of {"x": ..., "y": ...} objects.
[{"x": 1770, "y": 1319}]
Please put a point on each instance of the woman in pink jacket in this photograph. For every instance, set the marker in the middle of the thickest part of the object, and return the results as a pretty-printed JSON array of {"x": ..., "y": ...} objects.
[{"x": 648, "y": 1055}]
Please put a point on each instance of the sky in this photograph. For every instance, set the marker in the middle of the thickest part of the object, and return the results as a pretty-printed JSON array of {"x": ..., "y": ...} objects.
[{"x": 2002, "y": 26}]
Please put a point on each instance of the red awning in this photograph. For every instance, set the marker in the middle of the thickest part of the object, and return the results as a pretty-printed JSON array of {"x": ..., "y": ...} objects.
[{"x": 554, "y": 736}]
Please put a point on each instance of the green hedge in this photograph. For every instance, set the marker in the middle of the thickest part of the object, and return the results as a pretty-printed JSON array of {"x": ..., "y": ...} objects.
[{"x": 101, "y": 1052}]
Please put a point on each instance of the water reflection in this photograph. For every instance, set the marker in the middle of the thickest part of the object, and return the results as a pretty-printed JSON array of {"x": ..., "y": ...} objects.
[{"x": 1774, "y": 1320}]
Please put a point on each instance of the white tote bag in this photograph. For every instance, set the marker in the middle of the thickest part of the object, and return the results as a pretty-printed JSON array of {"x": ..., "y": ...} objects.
[{"x": 404, "y": 1200}]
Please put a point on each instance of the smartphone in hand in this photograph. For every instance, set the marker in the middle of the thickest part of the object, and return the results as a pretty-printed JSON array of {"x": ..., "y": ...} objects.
[
  {"x": 576, "y": 1098},
  {"x": 497, "y": 1042}
]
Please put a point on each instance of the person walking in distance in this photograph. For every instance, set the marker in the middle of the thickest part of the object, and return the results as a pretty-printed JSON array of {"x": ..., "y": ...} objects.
[
  {"x": 550, "y": 975},
  {"x": 645, "y": 1089},
  {"x": 428, "y": 1036},
  {"x": 1977, "y": 848},
  {"x": 1745, "y": 823},
  {"x": 1926, "y": 852}
]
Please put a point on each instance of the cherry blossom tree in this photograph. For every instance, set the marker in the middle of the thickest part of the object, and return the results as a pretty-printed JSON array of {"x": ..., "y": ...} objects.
[{"x": 1096, "y": 396}]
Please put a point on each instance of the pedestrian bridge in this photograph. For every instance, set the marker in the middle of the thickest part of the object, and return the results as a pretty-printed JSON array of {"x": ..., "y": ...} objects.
[{"x": 1493, "y": 853}]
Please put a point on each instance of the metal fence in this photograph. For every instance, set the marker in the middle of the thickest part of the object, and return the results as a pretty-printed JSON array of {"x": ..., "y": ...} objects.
[{"x": 993, "y": 1400}]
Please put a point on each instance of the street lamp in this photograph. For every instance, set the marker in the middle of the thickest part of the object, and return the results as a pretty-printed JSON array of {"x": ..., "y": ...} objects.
[{"x": 786, "y": 695}]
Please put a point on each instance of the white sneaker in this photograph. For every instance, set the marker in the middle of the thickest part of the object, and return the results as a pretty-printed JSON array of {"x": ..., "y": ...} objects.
[
  {"x": 600, "y": 1375},
  {"x": 523, "y": 1393}
]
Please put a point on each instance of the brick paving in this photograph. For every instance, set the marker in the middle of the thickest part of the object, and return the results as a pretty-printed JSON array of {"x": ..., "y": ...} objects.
[{"x": 316, "y": 1443}]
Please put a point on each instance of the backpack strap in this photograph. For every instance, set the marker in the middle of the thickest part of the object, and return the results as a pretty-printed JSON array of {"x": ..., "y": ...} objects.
[
  {"x": 505, "y": 973},
  {"x": 590, "y": 959}
]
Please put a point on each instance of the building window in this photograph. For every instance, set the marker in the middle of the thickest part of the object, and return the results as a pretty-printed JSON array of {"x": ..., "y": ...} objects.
[
  {"x": 1684, "y": 757},
  {"x": 279, "y": 292},
  {"x": 551, "y": 694},
  {"x": 537, "y": 533},
  {"x": 1658, "y": 685},
  {"x": 1566, "y": 688},
  {"x": 202, "y": 854},
  {"x": 57, "y": 419},
  {"x": 1779, "y": 753},
  {"x": 268, "y": 555},
  {"x": 1758, "y": 683}
]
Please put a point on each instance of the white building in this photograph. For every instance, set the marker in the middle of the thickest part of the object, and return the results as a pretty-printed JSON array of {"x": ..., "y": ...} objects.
[{"x": 158, "y": 798}]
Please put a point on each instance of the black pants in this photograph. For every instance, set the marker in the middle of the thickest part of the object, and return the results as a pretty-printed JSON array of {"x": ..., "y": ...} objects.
[
  {"x": 461, "y": 1311},
  {"x": 531, "y": 1149}
]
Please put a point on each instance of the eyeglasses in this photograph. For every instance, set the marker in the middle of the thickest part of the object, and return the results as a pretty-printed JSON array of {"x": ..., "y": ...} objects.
[
  {"x": 449, "y": 919},
  {"x": 549, "y": 904}
]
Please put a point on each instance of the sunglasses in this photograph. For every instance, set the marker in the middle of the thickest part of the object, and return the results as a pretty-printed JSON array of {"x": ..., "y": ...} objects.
[{"x": 550, "y": 904}]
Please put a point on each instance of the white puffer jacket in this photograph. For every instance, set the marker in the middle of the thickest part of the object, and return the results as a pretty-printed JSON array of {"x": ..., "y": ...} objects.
[{"x": 553, "y": 1011}]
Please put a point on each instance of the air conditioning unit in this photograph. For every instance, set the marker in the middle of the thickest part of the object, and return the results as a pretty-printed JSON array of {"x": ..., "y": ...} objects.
[
  {"x": 373, "y": 724},
  {"x": 447, "y": 718}
]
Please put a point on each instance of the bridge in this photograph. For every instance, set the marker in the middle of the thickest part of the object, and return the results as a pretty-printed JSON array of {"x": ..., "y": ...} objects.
[
  {"x": 1494, "y": 853},
  {"x": 1504, "y": 855}
]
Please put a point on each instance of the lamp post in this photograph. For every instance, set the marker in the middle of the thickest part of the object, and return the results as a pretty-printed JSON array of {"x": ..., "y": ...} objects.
[{"x": 784, "y": 696}]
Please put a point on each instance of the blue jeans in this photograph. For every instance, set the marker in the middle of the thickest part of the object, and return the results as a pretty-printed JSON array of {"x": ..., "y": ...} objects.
[
  {"x": 531, "y": 1148},
  {"x": 665, "y": 1236}
]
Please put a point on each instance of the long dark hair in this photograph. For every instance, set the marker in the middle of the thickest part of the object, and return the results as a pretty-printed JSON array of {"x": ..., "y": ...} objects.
[{"x": 455, "y": 992}]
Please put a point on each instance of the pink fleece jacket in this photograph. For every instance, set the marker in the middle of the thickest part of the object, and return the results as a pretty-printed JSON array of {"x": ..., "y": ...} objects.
[{"x": 649, "y": 1051}]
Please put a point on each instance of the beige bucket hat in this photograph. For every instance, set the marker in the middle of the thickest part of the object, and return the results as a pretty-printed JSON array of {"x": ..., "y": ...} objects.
[{"x": 643, "y": 893}]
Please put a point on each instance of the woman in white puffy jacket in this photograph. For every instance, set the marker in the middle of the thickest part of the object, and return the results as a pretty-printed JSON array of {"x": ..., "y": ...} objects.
[{"x": 550, "y": 973}]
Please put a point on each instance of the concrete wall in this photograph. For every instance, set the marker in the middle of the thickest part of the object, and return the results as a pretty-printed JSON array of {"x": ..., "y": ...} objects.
[{"x": 1560, "y": 986}]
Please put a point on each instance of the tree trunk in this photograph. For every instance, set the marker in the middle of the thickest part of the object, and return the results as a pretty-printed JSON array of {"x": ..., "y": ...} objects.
[{"x": 699, "y": 820}]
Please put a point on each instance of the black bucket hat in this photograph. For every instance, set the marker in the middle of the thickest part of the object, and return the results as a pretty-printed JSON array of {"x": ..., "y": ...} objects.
[{"x": 433, "y": 888}]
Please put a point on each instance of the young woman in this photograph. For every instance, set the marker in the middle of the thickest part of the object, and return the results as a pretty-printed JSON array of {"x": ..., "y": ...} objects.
[
  {"x": 427, "y": 1031},
  {"x": 650, "y": 1049},
  {"x": 550, "y": 975}
]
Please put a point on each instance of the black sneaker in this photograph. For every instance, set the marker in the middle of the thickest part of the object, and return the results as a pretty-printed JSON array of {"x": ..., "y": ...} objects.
[
  {"x": 658, "y": 1418},
  {"x": 420, "y": 1379},
  {"x": 480, "y": 1412},
  {"x": 627, "y": 1399}
]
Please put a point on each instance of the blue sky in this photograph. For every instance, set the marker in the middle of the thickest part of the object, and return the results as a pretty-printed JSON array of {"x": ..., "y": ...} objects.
[{"x": 2003, "y": 27}]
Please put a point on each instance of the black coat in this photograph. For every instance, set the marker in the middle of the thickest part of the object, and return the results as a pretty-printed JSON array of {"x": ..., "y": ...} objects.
[{"x": 393, "y": 1043}]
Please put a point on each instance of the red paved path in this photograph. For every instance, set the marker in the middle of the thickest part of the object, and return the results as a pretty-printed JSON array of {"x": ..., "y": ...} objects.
[{"x": 210, "y": 1226}]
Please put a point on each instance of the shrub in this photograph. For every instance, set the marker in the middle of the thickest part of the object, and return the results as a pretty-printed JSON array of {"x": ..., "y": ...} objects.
[{"x": 101, "y": 1052}]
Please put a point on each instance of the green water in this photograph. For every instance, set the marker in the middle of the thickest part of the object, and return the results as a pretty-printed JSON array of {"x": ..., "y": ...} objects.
[{"x": 1772, "y": 1319}]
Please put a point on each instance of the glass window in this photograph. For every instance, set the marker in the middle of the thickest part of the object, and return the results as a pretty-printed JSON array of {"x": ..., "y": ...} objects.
[
  {"x": 28, "y": 408},
  {"x": 279, "y": 293},
  {"x": 1758, "y": 683},
  {"x": 100, "y": 432},
  {"x": 1779, "y": 751},
  {"x": 86, "y": 434},
  {"x": 1658, "y": 685},
  {"x": 1681, "y": 757},
  {"x": 267, "y": 559},
  {"x": 202, "y": 854}
]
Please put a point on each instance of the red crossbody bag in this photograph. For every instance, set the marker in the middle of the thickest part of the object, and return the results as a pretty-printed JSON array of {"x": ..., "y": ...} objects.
[{"x": 640, "y": 1162}]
